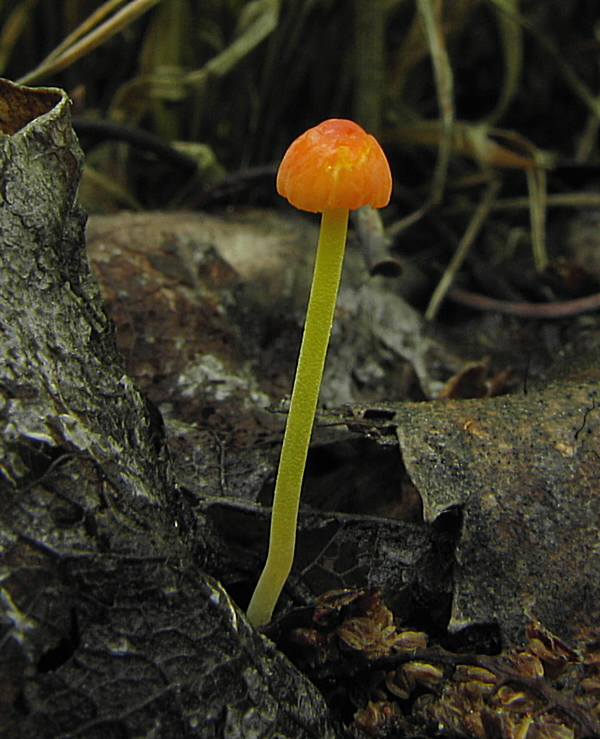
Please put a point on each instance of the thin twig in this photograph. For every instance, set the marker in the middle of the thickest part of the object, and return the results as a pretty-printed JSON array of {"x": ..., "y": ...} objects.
[{"x": 539, "y": 311}]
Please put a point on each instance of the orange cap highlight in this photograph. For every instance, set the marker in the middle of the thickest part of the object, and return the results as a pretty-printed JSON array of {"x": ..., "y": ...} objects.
[{"x": 335, "y": 165}]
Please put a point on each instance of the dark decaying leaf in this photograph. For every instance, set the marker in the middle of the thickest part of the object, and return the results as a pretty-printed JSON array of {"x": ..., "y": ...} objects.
[
  {"x": 525, "y": 472},
  {"x": 107, "y": 626},
  {"x": 412, "y": 562}
]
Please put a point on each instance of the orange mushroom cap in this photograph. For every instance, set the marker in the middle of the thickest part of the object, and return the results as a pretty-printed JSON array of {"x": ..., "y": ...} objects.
[{"x": 335, "y": 165}]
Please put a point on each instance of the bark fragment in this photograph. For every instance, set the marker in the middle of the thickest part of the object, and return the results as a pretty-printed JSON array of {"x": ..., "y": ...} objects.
[{"x": 107, "y": 626}]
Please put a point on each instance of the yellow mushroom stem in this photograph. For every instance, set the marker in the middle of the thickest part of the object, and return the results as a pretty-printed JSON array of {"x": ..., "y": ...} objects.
[{"x": 303, "y": 405}]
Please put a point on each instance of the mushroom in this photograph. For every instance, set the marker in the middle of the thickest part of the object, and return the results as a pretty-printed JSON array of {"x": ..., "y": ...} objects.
[{"x": 331, "y": 169}]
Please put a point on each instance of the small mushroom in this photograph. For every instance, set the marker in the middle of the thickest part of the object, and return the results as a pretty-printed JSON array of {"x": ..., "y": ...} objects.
[{"x": 331, "y": 169}]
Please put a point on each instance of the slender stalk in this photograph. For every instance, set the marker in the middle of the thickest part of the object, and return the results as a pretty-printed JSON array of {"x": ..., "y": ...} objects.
[
  {"x": 481, "y": 213},
  {"x": 303, "y": 405}
]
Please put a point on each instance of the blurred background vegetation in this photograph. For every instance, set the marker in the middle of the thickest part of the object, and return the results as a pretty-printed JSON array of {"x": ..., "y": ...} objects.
[{"x": 462, "y": 93}]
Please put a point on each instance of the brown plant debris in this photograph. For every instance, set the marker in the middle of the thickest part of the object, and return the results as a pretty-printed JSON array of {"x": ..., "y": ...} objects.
[{"x": 399, "y": 685}]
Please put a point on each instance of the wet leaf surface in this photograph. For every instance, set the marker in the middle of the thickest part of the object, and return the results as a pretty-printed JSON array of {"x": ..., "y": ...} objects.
[{"x": 524, "y": 471}]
